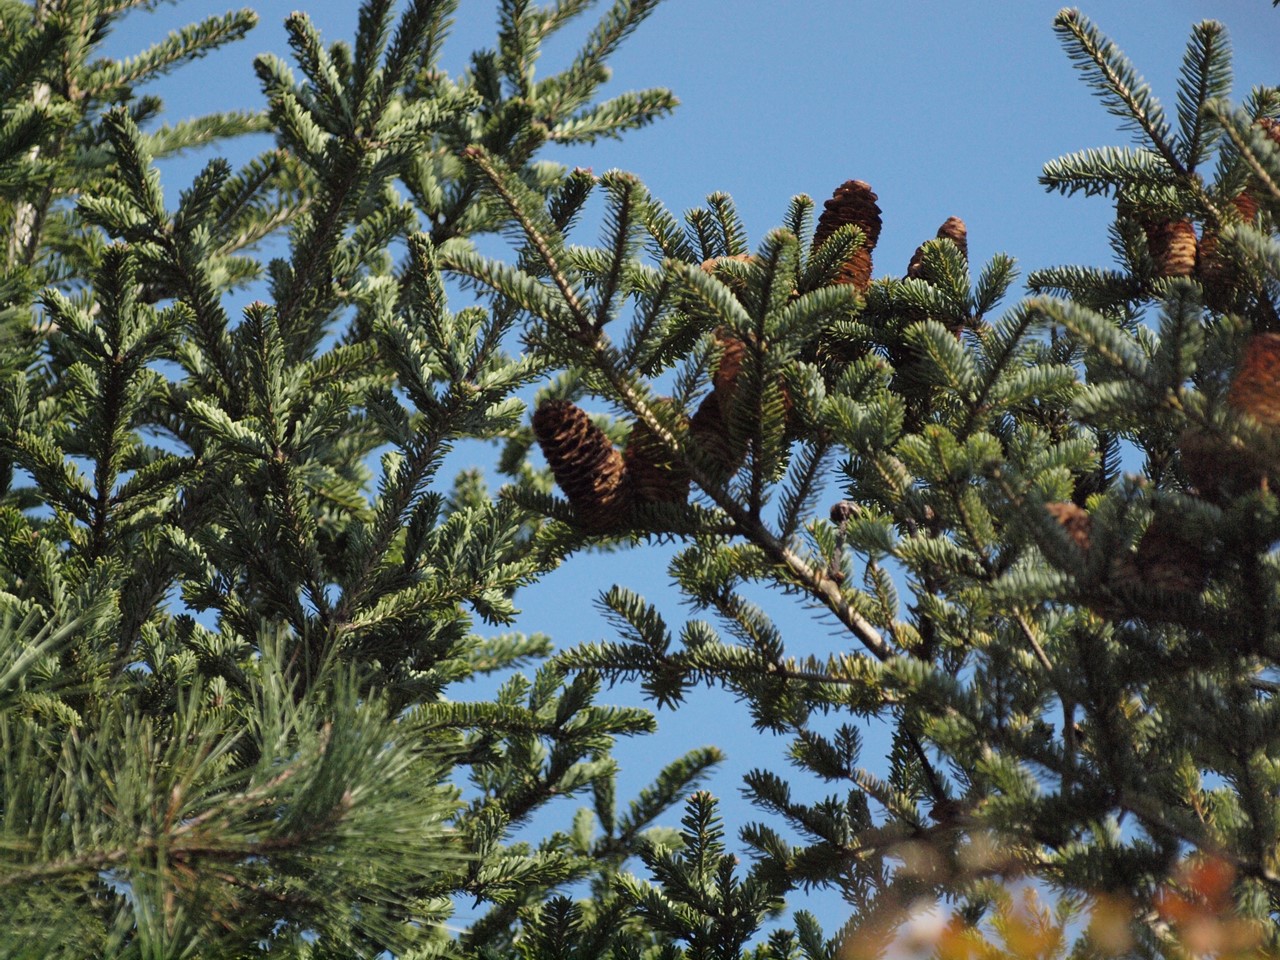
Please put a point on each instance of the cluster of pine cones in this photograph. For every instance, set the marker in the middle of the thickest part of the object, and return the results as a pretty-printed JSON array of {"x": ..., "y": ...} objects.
[
  {"x": 854, "y": 202},
  {"x": 604, "y": 484},
  {"x": 1169, "y": 556},
  {"x": 1177, "y": 252}
]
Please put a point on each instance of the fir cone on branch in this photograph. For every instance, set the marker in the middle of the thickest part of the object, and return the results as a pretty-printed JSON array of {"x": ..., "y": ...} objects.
[
  {"x": 853, "y": 202},
  {"x": 1255, "y": 389},
  {"x": 710, "y": 433},
  {"x": 585, "y": 464},
  {"x": 1168, "y": 557},
  {"x": 1217, "y": 468},
  {"x": 733, "y": 353},
  {"x": 1074, "y": 519},
  {"x": 1172, "y": 245},
  {"x": 692, "y": 303},
  {"x": 1216, "y": 274},
  {"x": 655, "y": 474},
  {"x": 711, "y": 263},
  {"x": 1246, "y": 207},
  {"x": 735, "y": 282},
  {"x": 953, "y": 230},
  {"x": 1203, "y": 456}
]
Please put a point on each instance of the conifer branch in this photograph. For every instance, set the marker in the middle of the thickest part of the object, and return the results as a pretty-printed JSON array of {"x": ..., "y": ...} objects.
[
  {"x": 816, "y": 581},
  {"x": 1249, "y": 141},
  {"x": 1205, "y": 76},
  {"x": 1121, "y": 88},
  {"x": 1161, "y": 819},
  {"x": 578, "y": 310}
]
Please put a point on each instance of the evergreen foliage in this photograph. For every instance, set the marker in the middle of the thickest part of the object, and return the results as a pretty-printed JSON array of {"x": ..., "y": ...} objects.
[{"x": 237, "y": 599}]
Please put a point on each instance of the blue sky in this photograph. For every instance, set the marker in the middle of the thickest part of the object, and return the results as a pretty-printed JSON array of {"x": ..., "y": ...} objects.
[{"x": 947, "y": 107}]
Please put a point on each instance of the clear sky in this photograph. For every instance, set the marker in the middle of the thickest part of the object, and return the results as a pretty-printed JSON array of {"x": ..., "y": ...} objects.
[{"x": 947, "y": 107}]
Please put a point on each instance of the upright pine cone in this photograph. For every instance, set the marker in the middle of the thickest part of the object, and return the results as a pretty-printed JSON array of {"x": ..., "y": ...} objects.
[
  {"x": 953, "y": 230},
  {"x": 1271, "y": 128},
  {"x": 733, "y": 355},
  {"x": 1246, "y": 206},
  {"x": 1169, "y": 557},
  {"x": 1073, "y": 519},
  {"x": 710, "y": 433},
  {"x": 1255, "y": 389},
  {"x": 1172, "y": 244},
  {"x": 1217, "y": 468},
  {"x": 733, "y": 352},
  {"x": 1215, "y": 273},
  {"x": 654, "y": 473},
  {"x": 853, "y": 202},
  {"x": 710, "y": 264},
  {"x": 585, "y": 464}
]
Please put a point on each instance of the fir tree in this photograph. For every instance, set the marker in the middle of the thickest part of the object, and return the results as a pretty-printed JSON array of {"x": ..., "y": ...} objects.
[{"x": 1079, "y": 674}]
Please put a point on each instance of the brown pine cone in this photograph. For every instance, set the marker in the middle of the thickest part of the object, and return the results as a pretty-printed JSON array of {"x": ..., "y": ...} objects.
[
  {"x": 733, "y": 351},
  {"x": 737, "y": 284},
  {"x": 1168, "y": 558},
  {"x": 1074, "y": 519},
  {"x": 656, "y": 475},
  {"x": 1272, "y": 129},
  {"x": 733, "y": 355},
  {"x": 692, "y": 303},
  {"x": 1215, "y": 273},
  {"x": 709, "y": 265},
  {"x": 585, "y": 464},
  {"x": 710, "y": 433},
  {"x": 1255, "y": 389},
  {"x": 1172, "y": 244},
  {"x": 1218, "y": 469},
  {"x": 1246, "y": 206},
  {"x": 853, "y": 202},
  {"x": 953, "y": 230},
  {"x": 1203, "y": 455}
]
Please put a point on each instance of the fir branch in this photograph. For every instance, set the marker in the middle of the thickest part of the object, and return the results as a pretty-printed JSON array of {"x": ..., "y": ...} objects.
[
  {"x": 668, "y": 239},
  {"x": 373, "y": 29},
  {"x": 1253, "y": 144},
  {"x": 1205, "y": 76},
  {"x": 1100, "y": 333},
  {"x": 999, "y": 353},
  {"x": 612, "y": 118},
  {"x": 1117, "y": 83},
  {"x": 326, "y": 97},
  {"x": 803, "y": 488},
  {"x": 1103, "y": 170},
  {"x": 1094, "y": 286},
  {"x": 182, "y": 46},
  {"x": 541, "y": 244},
  {"x": 585, "y": 73},
  {"x": 174, "y": 139},
  {"x": 625, "y": 199}
]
